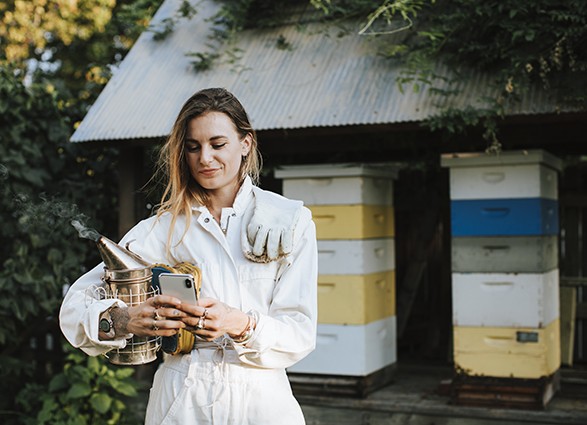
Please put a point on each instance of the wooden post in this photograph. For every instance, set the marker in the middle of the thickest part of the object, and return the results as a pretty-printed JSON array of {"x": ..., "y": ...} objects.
[
  {"x": 129, "y": 168},
  {"x": 568, "y": 308}
]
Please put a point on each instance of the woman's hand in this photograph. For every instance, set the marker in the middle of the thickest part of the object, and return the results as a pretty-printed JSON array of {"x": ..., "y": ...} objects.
[
  {"x": 211, "y": 319},
  {"x": 157, "y": 316}
]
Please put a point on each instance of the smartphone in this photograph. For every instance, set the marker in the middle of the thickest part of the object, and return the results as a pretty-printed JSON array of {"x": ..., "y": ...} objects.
[{"x": 179, "y": 285}]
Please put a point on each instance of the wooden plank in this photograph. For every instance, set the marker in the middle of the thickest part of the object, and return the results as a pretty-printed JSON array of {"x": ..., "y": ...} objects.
[
  {"x": 504, "y": 392},
  {"x": 412, "y": 398},
  {"x": 350, "y": 386},
  {"x": 573, "y": 281},
  {"x": 568, "y": 310}
]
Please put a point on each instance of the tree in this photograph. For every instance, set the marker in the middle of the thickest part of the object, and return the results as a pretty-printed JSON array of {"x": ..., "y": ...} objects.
[
  {"x": 56, "y": 57},
  {"x": 74, "y": 44}
]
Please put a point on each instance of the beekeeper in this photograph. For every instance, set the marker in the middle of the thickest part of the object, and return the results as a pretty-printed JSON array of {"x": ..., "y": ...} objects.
[{"x": 257, "y": 254}]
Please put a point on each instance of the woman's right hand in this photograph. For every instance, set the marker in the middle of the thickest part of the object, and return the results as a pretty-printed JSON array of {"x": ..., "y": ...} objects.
[{"x": 157, "y": 316}]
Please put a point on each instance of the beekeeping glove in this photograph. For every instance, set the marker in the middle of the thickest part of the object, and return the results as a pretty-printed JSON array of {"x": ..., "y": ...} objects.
[{"x": 269, "y": 227}]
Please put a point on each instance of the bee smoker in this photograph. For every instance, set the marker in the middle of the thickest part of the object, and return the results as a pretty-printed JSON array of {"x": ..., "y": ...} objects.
[{"x": 128, "y": 277}]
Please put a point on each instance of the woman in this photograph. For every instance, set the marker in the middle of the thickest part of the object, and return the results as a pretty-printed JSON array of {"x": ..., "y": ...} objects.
[{"x": 258, "y": 258}]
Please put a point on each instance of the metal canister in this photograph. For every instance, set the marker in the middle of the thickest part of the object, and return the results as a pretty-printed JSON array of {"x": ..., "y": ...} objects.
[{"x": 128, "y": 277}]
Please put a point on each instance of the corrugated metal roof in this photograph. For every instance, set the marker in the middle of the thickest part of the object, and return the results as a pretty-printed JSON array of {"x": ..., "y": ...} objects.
[{"x": 325, "y": 79}]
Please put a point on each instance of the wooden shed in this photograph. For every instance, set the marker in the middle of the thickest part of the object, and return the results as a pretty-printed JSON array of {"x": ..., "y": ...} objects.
[{"x": 319, "y": 95}]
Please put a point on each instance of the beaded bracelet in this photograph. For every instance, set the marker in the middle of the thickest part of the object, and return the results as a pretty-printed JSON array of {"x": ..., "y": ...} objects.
[{"x": 247, "y": 333}]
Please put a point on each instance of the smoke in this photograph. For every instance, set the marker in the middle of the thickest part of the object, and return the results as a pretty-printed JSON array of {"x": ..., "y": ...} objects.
[
  {"x": 49, "y": 213},
  {"x": 85, "y": 232},
  {"x": 3, "y": 172}
]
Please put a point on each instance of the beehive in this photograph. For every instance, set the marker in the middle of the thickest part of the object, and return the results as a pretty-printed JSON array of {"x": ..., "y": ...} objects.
[
  {"x": 352, "y": 207},
  {"x": 505, "y": 226}
]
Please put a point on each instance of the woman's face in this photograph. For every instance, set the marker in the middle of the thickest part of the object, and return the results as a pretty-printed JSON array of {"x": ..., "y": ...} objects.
[{"x": 214, "y": 152}]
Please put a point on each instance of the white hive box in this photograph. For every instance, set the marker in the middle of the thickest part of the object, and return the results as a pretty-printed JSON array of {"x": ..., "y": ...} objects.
[
  {"x": 358, "y": 256},
  {"x": 351, "y": 350},
  {"x": 512, "y": 181},
  {"x": 511, "y": 174},
  {"x": 505, "y": 299},
  {"x": 504, "y": 254},
  {"x": 339, "y": 184},
  {"x": 340, "y": 190}
]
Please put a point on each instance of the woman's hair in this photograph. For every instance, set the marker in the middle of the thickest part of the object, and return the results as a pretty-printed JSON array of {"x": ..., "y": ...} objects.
[{"x": 181, "y": 190}]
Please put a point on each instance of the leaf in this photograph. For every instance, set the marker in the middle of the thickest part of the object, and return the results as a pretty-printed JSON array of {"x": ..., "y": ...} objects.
[
  {"x": 124, "y": 372},
  {"x": 58, "y": 382},
  {"x": 44, "y": 415},
  {"x": 124, "y": 388},
  {"x": 79, "y": 390},
  {"x": 101, "y": 402},
  {"x": 93, "y": 364}
]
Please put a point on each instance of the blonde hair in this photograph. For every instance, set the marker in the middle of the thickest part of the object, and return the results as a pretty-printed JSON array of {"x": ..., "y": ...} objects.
[{"x": 181, "y": 189}]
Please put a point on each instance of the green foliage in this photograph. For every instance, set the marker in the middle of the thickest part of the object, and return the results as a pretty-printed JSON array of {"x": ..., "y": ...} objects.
[
  {"x": 45, "y": 182},
  {"x": 88, "y": 391},
  {"x": 523, "y": 45},
  {"x": 64, "y": 51},
  {"x": 166, "y": 26},
  {"x": 74, "y": 44},
  {"x": 535, "y": 45}
]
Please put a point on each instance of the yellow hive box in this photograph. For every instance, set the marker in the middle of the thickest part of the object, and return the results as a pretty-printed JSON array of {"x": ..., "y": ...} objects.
[
  {"x": 356, "y": 299},
  {"x": 507, "y": 352},
  {"x": 353, "y": 221}
]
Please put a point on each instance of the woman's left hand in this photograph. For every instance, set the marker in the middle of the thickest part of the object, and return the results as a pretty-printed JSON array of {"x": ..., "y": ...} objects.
[{"x": 211, "y": 319}]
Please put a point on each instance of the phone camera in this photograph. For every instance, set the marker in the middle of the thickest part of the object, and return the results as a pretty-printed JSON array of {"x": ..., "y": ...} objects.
[{"x": 188, "y": 283}]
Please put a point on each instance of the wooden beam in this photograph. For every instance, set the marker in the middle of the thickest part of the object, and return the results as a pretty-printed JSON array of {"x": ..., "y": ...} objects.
[
  {"x": 568, "y": 312},
  {"x": 128, "y": 169},
  {"x": 573, "y": 281}
]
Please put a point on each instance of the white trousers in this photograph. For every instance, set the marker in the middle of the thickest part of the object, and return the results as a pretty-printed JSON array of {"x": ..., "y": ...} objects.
[{"x": 210, "y": 386}]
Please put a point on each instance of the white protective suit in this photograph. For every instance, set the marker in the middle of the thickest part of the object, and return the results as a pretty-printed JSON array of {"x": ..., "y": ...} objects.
[{"x": 221, "y": 382}]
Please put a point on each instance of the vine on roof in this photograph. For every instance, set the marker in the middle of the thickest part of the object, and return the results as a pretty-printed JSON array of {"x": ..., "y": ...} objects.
[{"x": 523, "y": 45}]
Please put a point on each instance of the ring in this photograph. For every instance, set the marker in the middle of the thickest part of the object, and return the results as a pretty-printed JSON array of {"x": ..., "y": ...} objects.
[
  {"x": 155, "y": 327},
  {"x": 201, "y": 323},
  {"x": 205, "y": 313},
  {"x": 156, "y": 315}
]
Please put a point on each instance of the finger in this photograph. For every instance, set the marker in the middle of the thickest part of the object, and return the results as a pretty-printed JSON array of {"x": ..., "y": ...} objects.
[
  {"x": 190, "y": 310},
  {"x": 207, "y": 334},
  {"x": 171, "y": 313},
  {"x": 273, "y": 244},
  {"x": 252, "y": 230},
  {"x": 260, "y": 241},
  {"x": 164, "y": 327},
  {"x": 170, "y": 324},
  {"x": 167, "y": 332},
  {"x": 160, "y": 300},
  {"x": 287, "y": 242},
  {"x": 191, "y": 323},
  {"x": 207, "y": 302}
]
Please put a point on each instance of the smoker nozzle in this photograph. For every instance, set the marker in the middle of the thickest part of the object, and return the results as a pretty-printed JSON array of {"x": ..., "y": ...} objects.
[{"x": 116, "y": 257}]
